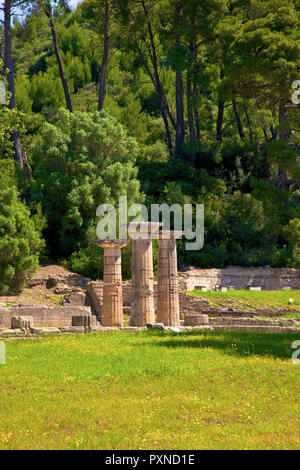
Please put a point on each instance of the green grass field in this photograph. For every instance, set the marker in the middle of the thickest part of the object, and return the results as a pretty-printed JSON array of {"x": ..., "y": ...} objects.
[
  {"x": 252, "y": 300},
  {"x": 151, "y": 390}
]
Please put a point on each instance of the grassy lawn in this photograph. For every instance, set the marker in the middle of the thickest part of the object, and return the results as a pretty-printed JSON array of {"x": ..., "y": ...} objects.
[
  {"x": 252, "y": 300},
  {"x": 151, "y": 390}
]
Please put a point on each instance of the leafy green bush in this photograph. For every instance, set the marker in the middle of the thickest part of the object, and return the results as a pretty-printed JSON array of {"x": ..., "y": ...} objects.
[
  {"x": 84, "y": 160},
  {"x": 20, "y": 234},
  {"x": 292, "y": 234},
  {"x": 89, "y": 262}
]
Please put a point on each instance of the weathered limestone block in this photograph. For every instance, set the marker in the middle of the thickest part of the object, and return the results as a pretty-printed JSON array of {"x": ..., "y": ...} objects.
[
  {"x": 12, "y": 333},
  {"x": 189, "y": 305},
  {"x": 52, "y": 281},
  {"x": 95, "y": 329},
  {"x": 72, "y": 329},
  {"x": 50, "y": 331},
  {"x": 95, "y": 297},
  {"x": 84, "y": 320},
  {"x": 95, "y": 294},
  {"x": 62, "y": 289},
  {"x": 194, "y": 320},
  {"x": 243, "y": 321},
  {"x": 76, "y": 297},
  {"x": 133, "y": 329},
  {"x": 21, "y": 322}
]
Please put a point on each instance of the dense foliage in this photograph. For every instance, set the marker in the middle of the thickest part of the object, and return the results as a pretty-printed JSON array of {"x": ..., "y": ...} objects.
[
  {"x": 20, "y": 234},
  {"x": 82, "y": 161},
  {"x": 173, "y": 101}
]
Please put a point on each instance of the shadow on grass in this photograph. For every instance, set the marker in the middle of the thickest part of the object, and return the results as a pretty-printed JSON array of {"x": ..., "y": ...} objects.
[{"x": 234, "y": 343}]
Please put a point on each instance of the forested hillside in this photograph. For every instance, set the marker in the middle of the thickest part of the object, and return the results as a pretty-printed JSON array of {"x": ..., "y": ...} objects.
[{"x": 169, "y": 101}]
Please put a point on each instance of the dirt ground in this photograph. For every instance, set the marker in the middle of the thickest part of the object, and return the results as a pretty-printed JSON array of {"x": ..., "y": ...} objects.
[{"x": 40, "y": 294}]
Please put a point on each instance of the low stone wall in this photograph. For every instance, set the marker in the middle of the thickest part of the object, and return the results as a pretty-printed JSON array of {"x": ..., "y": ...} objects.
[
  {"x": 43, "y": 316},
  {"x": 35, "y": 332},
  {"x": 233, "y": 325},
  {"x": 241, "y": 278},
  {"x": 192, "y": 305},
  {"x": 70, "y": 279}
]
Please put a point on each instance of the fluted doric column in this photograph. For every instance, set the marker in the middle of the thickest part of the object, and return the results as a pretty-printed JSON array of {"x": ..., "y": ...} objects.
[
  {"x": 142, "y": 272},
  {"x": 112, "y": 310},
  {"x": 167, "y": 286}
]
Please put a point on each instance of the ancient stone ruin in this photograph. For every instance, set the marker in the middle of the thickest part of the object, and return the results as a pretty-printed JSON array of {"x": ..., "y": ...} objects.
[
  {"x": 261, "y": 278},
  {"x": 167, "y": 286},
  {"x": 142, "y": 273},
  {"x": 112, "y": 313},
  {"x": 100, "y": 306}
]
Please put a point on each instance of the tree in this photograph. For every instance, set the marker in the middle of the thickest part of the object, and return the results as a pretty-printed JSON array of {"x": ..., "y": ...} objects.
[
  {"x": 141, "y": 23},
  {"x": 102, "y": 19},
  {"x": 107, "y": 14},
  {"x": 8, "y": 72},
  {"x": 84, "y": 160},
  {"x": 46, "y": 7},
  {"x": 20, "y": 234},
  {"x": 262, "y": 63}
]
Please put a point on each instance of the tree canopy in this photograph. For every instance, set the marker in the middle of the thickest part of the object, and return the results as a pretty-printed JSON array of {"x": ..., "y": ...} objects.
[{"x": 163, "y": 101}]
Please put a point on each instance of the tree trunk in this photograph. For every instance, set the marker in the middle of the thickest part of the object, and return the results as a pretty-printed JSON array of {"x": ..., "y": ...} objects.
[
  {"x": 249, "y": 122},
  {"x": 48, "y": 13},
  {"x": 266, "y": 134},
  {"x": 163, "y": 103},
  {"x": 221, "y": 105},
  {"x": 195, "y": 97},
  {"x": 190, "y": 114},
  {"x": 273, "y": 132},
  {"x": 238, "y": 119},
  {"x": 1, "y": 51},
  {"x": 104, "y": 57},
  {"x": 220, "y": 118},
  {"x": 284, "y": 134},
  {"x": 8, "y": 61},
  {"x": 180, "y": 132},
  {"x": 19, "y": 153}
]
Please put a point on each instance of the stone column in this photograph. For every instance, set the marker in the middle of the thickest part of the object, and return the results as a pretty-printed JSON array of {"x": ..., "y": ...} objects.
[
  {"x": 167, "y": 286},
  {"x": 142, "y": 303},
  {"x": 112, "y": 310}
]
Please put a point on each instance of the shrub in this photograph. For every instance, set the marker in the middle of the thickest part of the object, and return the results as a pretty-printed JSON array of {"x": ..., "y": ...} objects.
[{"x": 20, "y": 234}]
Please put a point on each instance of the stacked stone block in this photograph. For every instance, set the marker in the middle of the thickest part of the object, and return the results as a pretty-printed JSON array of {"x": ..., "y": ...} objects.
[
  {"x": 167, "y": 287},
  {"x": 112, "y": 310}
]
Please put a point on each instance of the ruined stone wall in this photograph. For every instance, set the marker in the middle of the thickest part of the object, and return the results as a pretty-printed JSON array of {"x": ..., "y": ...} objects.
[
  {"x": 43, "y": 316},
  {"x": 241, "y": 278}
]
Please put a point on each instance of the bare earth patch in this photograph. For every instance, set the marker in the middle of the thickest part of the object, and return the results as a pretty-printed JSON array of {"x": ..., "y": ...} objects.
[{"x": 39, "y": 294}]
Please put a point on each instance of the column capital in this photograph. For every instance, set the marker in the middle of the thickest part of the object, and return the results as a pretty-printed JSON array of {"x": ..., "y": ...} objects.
[
  {"x": 112, "y": 243},
  {"x": 150, "y": 228}
]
